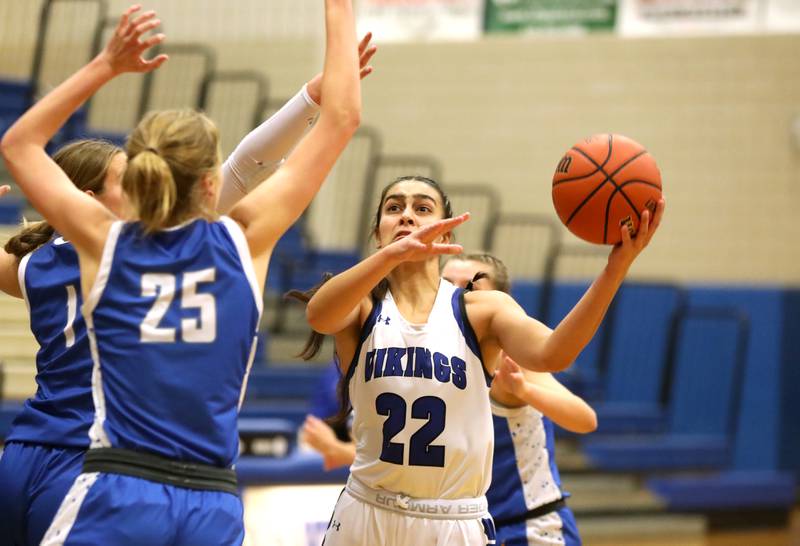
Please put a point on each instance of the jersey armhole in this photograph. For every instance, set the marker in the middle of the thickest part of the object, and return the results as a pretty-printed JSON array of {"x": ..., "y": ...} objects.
[
  {"x": 366, "y": 329},
  {"x": 21, "y": 269},
  {"x": 243, "y": 250},
  {"x": 103, "y": 269},
  {"x": 460, "y": 314}
]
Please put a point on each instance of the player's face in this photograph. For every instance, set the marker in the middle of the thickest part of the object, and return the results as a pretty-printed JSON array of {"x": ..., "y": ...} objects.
[
  {"x": 112, "y": 195},
  {"x": 408, "y": 206},
  {"x": 460, "y": 272}
]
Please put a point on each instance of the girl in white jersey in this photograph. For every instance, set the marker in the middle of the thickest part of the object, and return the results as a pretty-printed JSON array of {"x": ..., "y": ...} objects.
[
  {"x": 525, "y": 498},
  {"x": 417, "y": 355}
]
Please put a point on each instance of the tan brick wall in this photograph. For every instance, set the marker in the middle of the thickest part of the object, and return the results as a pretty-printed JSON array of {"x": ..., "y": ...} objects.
[{"x": 715, "y": 112}]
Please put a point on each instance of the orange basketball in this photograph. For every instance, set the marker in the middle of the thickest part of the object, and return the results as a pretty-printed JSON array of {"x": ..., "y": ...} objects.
[{"x": 602, "y": 183}]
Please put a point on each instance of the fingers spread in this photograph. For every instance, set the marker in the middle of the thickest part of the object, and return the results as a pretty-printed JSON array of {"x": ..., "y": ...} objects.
[
  {"x": 362, "y": 45},
  {"x": 445, "y": 248},
  {"x": 367, "y": 55}
]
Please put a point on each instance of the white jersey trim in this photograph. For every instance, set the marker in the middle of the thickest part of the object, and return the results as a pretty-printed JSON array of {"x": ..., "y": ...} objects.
[
  {"x": 97, "y": 434},
  {"x": 67, "y": 513},
  {"x": 246, "y": 377},
  {"x": 23, "y": 266},
  {"x": 103, "y": 269},
  {"x": 247, "y": 260}
]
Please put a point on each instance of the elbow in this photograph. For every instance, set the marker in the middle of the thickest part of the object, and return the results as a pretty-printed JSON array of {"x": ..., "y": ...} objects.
[
  {"x": 7, "y": 145},
  {"x": 553, "y": 364},
  {"x": 347, "y": 119},
  {"x": 316, "y": 320},
  {"x": 588, "y": 424}
]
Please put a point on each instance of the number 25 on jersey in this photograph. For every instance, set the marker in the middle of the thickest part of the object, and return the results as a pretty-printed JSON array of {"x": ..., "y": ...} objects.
[{"x": 162, "y": 287}]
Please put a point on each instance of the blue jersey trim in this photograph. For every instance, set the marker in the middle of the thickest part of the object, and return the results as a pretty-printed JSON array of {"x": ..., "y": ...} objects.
[
  {"x": 460, "y": 314},
  {"x": 366, "y": 329}
]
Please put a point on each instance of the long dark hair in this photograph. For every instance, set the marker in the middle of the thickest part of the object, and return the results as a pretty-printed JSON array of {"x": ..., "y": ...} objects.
[
  {"x": 86, "y": 163},
  {"x": 315, "y": 339}
]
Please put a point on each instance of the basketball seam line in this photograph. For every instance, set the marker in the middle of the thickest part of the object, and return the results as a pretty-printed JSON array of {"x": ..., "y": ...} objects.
[
  {"x": 609, "y": 178},
  {"x": 622, "y": 192},
  {"x": 599, "y": 169}
]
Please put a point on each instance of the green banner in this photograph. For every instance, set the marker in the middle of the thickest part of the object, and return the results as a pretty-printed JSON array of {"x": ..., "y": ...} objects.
[{"x": 550, "y": 15}]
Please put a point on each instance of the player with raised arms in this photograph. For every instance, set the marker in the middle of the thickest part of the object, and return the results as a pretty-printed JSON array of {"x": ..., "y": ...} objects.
[
  {"x": 44, "y": 448},
  {"x": 174, "y": 297}
]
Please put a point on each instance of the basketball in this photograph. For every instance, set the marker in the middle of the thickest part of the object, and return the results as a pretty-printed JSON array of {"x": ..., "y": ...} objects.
[{"x": 604, "y": 182}]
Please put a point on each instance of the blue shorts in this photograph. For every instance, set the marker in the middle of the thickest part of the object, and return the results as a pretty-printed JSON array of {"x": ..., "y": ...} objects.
[
  {"x": 34, "y": 479},
  {"x": 103, "y": 508},
  {"x": 557, "y": 527}
]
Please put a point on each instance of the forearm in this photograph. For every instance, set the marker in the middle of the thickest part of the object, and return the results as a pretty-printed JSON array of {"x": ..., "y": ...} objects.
[
  {"x": 575, "y": 331},
  {"x": 563, "y": 408},
  {"x": 43, "y": 120},
  {"x": 9, "y": 280},
  {"x": 341, "y": 295},
  {"x": 260, "y": 153},
  {"x": 338, "y": 454},
  {"x": 340, "y": 82}
]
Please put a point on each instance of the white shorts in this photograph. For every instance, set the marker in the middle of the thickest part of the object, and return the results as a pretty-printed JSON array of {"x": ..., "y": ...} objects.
[{"x": 366, "y": 517}]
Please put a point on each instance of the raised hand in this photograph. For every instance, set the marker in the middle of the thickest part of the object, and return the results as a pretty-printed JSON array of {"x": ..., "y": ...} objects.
[
  {"x": 124, "y": 50},
  {"x": 630, "y": 247},
  {"x": 509, "y": 376},
  {"x": 420, "y": 244},
  {"x": 365, "y": 53}
]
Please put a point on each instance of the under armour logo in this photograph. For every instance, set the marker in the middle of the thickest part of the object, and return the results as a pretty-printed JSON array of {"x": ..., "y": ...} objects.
[
  {"x": 335, "y": 524},
  {"x": 384, "y": 319}
]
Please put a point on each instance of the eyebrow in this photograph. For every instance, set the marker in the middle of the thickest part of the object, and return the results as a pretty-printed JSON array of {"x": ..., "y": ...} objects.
[{"x": 402, "y": 196}]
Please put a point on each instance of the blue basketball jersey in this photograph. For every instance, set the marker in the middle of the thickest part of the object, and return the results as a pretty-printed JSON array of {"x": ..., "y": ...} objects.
[
  {"x": 61, "y": 411},
  {"x": 524, "y": 472},
  {"x": 172, "y": 321}
]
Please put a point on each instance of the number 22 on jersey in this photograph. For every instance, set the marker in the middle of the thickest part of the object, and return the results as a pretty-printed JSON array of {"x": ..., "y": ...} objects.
[
  {"x": 162, "y": 287},
  {"x": 421, "y": 452}
]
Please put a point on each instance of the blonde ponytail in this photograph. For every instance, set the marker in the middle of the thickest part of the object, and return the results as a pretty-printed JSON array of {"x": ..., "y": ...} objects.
[
  {"x": 169, "y": 153},
  {"x": 151, "y": 188}
]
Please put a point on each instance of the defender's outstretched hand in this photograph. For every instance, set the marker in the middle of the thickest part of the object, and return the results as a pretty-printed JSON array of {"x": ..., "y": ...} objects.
[
  {"x": 124, "y": 50},
  {"x": 365, "y": 53}
]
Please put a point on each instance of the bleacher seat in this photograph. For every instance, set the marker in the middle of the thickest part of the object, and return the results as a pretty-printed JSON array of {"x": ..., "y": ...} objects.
[
  {"x": 726, "y": 491},
  {"x": 703, "y": 385}
]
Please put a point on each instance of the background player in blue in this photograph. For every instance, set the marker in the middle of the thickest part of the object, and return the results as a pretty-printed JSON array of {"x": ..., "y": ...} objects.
[
  {"x": 44, "y": 447},
  {"x": 171, "y": 356},
  {"x": 412, "y": 226},
  {"x": 525, "y": 498}
]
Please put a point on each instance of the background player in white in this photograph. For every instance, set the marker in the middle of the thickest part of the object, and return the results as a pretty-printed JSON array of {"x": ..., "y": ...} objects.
[
  {"x": 172, "y": 178},
  {"x": 525, "y": 480},
  {"x": 44, "y": 448},
  {"x": 525, "y": 498},
  {"x": 389, "y": 499}
]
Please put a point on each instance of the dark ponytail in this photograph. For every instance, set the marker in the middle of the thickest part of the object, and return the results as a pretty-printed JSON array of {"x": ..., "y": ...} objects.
[
  {"x": 85, "y": 162},
  {"x": 31, "y": 237}
]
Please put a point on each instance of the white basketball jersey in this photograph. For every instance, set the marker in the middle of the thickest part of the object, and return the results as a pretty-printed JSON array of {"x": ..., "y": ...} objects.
[{"x": 421, "y": 415}]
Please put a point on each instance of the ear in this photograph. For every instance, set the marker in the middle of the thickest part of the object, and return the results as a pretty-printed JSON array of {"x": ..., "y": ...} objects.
[
  {"x": 208, "y": 184},
  {"x": 90, "y": 193}
]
